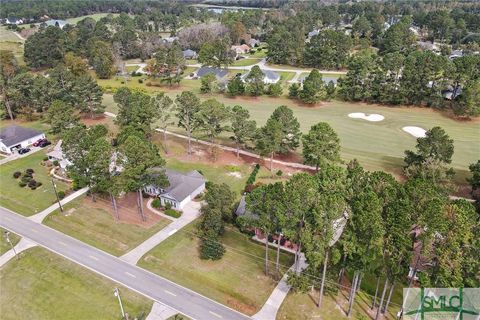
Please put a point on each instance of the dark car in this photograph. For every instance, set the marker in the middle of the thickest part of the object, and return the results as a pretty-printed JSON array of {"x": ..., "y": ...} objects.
[
  {"x": 44, "y": 143},
  {"x": 36, "y": 143},
  {"x": 23, "y": 150}
]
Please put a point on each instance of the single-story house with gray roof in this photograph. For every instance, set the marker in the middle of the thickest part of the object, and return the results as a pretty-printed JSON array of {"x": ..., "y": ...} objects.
[
  {"x": 183, "y": 188},
  {"x": 326, "y": 80},
  {"x": 218, "y": 72},
  {"x": 58, "y": 23},
  {"x": 189, "y": 54},
  {"x": 15, "y": 137},
  {"x": 269, "y": 76}
]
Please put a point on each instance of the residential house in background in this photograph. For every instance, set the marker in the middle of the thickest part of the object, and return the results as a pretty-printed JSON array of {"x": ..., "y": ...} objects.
[
  {"x": 57, "y": 23},
  {"x": 189, "y": 54},
  {"x": 183, "y": 188},
  {"x": 15, "y": 137},
  {"x": 219, "y": 73},
  {"x": 13, "y": 20},
  {"x": 241, "y": 49},
  {"x": 57, "y": 155},
  {"x": 269, "y": 76},
  {"x": 253, "y": 43},
  {"x": 326, "y": 80}
]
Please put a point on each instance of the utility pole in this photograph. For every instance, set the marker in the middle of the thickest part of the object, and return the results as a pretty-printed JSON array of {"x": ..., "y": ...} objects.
[
  {"x": 116, "y": 293},
  {"x": 7, "y": 237},
  {"x": 56, "y": 194}
]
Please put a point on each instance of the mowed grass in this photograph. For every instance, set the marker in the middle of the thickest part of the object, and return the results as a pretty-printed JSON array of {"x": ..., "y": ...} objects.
[
  {"x": 24, "y": 200},
  {"x": 44, "y": 286},
  {"x": 377, "y": 145},
  {"x": 8, "y": 35},
  {"x": 95, "y": 16},
  {"x": 4, "y": 245},
  {"x": 246, "y": 62},
  {"x": 237, "y": 280},
  {"x": 97, "y": 227}
]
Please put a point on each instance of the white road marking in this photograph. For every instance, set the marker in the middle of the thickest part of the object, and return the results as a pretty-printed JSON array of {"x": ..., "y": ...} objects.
[
  {"x": 170, "y": 293},
  {"x": 62, "y": 243},
  {"x": 129, "y": 274},
  {"x": 92, "y": 257},
  {"x": 172, "y": 232},
  {"x": 215, "y": 314}
]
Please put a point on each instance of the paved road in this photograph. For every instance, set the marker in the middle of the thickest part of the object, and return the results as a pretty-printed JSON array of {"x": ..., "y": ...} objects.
[{"x": 144, "y": 282}]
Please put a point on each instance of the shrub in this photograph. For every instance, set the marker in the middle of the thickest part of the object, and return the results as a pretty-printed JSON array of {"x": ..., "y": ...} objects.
[
  {"x": 39, "y": 184},
  {"x": 17, "y": 174},
  {"x": 61, "y": 194},
  {"x": 22, "y": 184},
  {"x": 140, "y": 80},
  {"x": 210, "y": 248},
  {"x": 56, "y": 163},
  {"x": 26, "y": 179},
  {"x": 253, "y": 176},
  {"x": 173, "y": 213},
  {"x": 30, "y": 171},
  {"x": 45, "y": 158},
  {"x": 168, "y": 206},
  {"x": 156, "y": 203},
  {"x": 231, "y": 168},
  {"x": 279, "y": 173},
  {"x": 32, "y": 183}
]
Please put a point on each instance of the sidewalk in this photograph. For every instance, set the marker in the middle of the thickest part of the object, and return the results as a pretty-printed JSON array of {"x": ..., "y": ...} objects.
[
  {"x": 22, "y": 245},
  {"x": 190, "y": 212},
  {"x": 270, "y": 308},
  {"x": 43, "y": 214},
  {"x": 160, "y": 312}
]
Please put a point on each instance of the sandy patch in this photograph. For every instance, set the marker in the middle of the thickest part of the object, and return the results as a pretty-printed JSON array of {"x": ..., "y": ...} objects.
[
  {"x": 369, "y": 117},
  {"x": 235, "y": 174},
  {"x": 417, "y": 132}
]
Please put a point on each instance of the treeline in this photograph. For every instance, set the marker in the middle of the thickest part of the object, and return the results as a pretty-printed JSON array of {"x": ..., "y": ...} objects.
[
  {"x": 29, "y": 95},
  {"x": 57, "y": 9}
]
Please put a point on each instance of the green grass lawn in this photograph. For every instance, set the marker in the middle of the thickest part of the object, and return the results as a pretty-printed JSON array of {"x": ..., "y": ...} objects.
[
  {"x": 285, "y": 77},
  {"x": 8, "y": 35},
  {"x": 245, "y": 62},
  {"x": 24, "y": 200},
  {"x": 377, "y": 145},
  {"x": 237, "y": 280},
  {"x": 97, "y": 227},
  {"x": 44, "y": 286},
  {"x": 4, "y": 245},
  {"x": 95, "y": 16}
]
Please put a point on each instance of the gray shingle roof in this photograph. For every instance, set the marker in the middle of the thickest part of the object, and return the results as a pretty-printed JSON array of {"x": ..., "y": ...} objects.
[
  {"x": 219, "y": 73},
  {"x": 269, "y": 74},
  {"x": 326, "y": 80},
  {"x": 182, "y": 184},
  {"x": 13, "y": 135},
  {"x": 189, "y": 53}
]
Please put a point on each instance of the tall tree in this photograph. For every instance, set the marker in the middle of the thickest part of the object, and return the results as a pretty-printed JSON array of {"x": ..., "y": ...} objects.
[
  {"x": 88, "y": 95},
  {"x": 61, "y": 117},
  {"x": 136, "y": 109},
  {"x": 328, "y": 50},
  {"x": 242, "y": 127},
  {"x": 168, "y": 64},
  {"x": 254, "y": 80},
  {"x": 8, "y": 70},
  {"x": 290, "y": 128},
  {"x": 101, "y": 58},
  {"x": 313, "y": 89},
  {"x": 321, "y": 145},
  {"x": 45, "y": 48},
  {"x": 212, "y": 118},
  {"x": 268, "y": 139},
  {"x": 216, "y": 53},
  {"x": 164, "y": 108},
  {"x": 188, "y": 107}
]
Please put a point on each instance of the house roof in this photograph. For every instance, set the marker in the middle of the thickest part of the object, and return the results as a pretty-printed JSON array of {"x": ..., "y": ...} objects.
[
  {"x": 268, "y": 74},
  {"x": 14, "y": 135},
  {"x": 313, "y": 33},
  {"x": 326, "y": 80},
  {"x": 182, "y": 185},
  {"x": 219, "y": 73},
  {"x": 53, "y": 22},
  {"x": 189, "y": 53}
]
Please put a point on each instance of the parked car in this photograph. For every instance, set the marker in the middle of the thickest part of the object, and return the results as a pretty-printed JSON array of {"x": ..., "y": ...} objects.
[
  {"x": 23, "y": 150},
  {"x": 44, "y": 143},
  {"x": 36, "y": 143}
]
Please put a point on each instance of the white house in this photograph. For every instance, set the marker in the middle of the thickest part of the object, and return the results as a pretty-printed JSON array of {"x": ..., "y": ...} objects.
[
  {"x": 13, "y": 20},
  {"x": 58, "y": 23},
  {"x": 15, "y": 137},
  {"x": 269, "y": 76},
  {"x": 57, "y": 155},
  {"x": 183, "y": 188}
]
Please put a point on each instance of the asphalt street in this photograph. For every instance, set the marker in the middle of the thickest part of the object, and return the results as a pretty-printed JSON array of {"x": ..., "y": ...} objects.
[{"x": 159, "y": 289}]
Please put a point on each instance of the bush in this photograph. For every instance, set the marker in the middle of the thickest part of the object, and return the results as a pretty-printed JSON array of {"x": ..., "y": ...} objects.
[
  {"x": 26, "y": 178},
  {"x": 253, "y": 176},
  {"x": 279, "y": 173},
  {"x": 156, "y": 203},
  {"x": 61, "y": 195},
  {"x": 17, "y": 174},
  {"x": 56, "y": 163},
  {"x": 39, "y": 184},
  {"x": 32, "y": 183},
  {"x": 30, "y": 171},
  {"x": 211, "y": 249},
  {"x": 168, "y": 206},
  {"x": 173, "y": 213},
  {"x": 22, "y": 184},
  {"x": 231, "y": 168},
  {"x": 140, "y": 80},
  {"x": 45, "y": 158}
]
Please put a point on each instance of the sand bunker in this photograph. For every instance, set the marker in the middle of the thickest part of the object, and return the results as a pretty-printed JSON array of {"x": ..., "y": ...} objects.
[
  {"x": 235, "y": 174},
  {"x": 417, "y": 132},
  {"x": 370, "y": 117}
]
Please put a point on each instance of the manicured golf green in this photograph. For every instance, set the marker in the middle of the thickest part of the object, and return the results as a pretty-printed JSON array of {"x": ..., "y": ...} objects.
[
  {"x": 44, "y": 286},
  {"x": 377, "y": 145}
]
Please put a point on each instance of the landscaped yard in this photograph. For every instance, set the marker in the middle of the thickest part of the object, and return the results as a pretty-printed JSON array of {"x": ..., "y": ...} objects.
[
  {"x": 246, "y": 62},
  {"x": 24, "y": 200},
  {"x": 96, "y": 226},
  {"x": 44, "y": 286},
  {"x": 237, "y": 280},
  {"x": 377, "y": 145},
  {"x": 4, "y": 245}
]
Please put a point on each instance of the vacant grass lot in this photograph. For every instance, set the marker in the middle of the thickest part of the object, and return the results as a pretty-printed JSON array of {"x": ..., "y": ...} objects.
[
  {"x": 237, "y": 280},
  {"x": 24, "y": 200},
  {"x": 4, "y": 245},
  {"x": 246, "y": 62},
  {"x": 44, "y": 286},
  {"x": 377, "y": 145},
  {"x": 97, "y": 227}
]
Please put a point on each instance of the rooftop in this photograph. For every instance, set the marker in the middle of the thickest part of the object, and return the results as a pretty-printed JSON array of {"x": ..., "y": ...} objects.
[{"x": 13, "y": 135}]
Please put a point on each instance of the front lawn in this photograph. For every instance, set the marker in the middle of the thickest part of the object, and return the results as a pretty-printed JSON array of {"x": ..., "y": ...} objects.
[
  {"x": 237, "y": 280},
  {"x": 96, "y": 226},
  {"x": 4, "y": 245},
  {"x": 24, "y": 200},
  {"x": 44, "y": 286},
  {"x": 245, "y": 62}
]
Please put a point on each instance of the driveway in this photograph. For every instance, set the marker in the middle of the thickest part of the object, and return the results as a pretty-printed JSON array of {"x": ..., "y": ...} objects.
[
  {"x": 16, "y": 155},
  {"x": 191, "y": 211}
]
